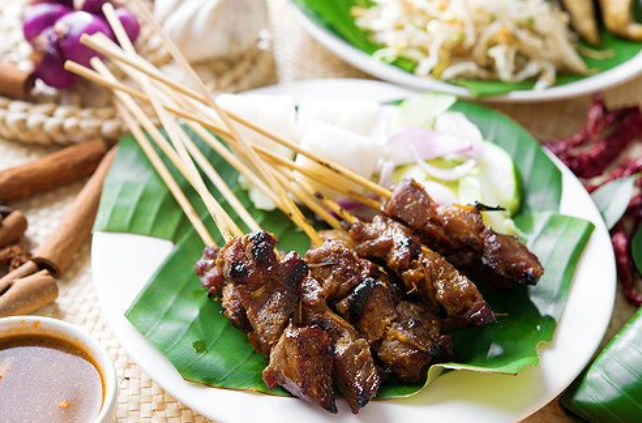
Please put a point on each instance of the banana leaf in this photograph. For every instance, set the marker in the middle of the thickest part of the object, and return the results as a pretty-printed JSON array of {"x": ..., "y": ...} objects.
[
  {"x": 335, "y": 15},
  {"x": 610, "y": 390},
  {"x": 173, "y": 313}
]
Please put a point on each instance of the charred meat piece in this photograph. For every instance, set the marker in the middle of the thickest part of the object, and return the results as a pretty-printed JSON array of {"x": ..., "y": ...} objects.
[
  {"x": 208, "y": 271},
  {"x": 302, "y": 363},
  {"x": 370, "y": 308},
  {"x": 412, "y": 343},
  {"x": 355, "y": 372},
  {"x": 338, "y": 268},
  {"x": 509, "y": 260},
  {"x": 425, "y": 273},
  {"x": 233, "y": 308},
  {"x": 266, "y": 287},
  {"x": 458, "y": 233}
]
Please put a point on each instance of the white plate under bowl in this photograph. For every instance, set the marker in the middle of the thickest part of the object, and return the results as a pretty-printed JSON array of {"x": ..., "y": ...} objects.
[
  {"x": 122, "y": 264},
  {"x": 361, "y": 60}
]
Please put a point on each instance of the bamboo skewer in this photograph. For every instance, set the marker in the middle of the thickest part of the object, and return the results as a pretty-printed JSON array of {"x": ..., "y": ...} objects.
[
  {"x": 179, "y": 139},
  {"x": 199, "y": 125},
  {"x": 309, "y": 200},
  {"x": 129, "y": 104},
  {"x": 166, "y": 176},
  {"x": 94, "y": 42},
  {"x": 251, "y": 154},
  {"x": 293, "y": 212}
]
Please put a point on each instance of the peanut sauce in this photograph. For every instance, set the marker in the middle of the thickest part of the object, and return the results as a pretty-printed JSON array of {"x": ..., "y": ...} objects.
[{"x": 47, "y": 380}]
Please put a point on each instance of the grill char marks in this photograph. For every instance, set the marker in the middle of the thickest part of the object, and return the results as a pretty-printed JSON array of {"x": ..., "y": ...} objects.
[
  {"x": 425, "y": 274},
  {"x": 208, "y": 272},
  {"x": 302, "y": 363},
  {"x": 458, "y": 233},
  {"x": 405, "y": 337},
  {"x": 413, "y": 342},
  {"x": 355, "y": 373},
  {"x": 268, "y": 288},
  {"x": 260, "y": 293}
]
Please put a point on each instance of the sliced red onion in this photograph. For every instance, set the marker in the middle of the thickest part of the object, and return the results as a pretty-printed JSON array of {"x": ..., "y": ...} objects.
[
  {"x": 349, "y": 204},
  {"x": 39, "y": 17},
  {"x": 458, "y": 125},
  {"x": 130, "y": 23},
  {"x": 73, "y": 26},
  {"x": 385, "y": 173},
  {"x": 427, "y": 143},
  {"x": 452, "y": 174}
]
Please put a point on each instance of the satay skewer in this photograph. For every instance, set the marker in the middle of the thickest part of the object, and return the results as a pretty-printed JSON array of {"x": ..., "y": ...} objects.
[
  {"x": 166, "y": 176},
  {"x": 138, "y": 115},
  {"x": 100, "y": 43},
  {"x": 178, "y": 133},
  {"x": 200, "y": 126},
  {"x": 252, "y": 156}
]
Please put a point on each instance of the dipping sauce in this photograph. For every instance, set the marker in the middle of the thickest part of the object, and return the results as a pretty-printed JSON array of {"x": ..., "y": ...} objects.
[{"x": 47, "y": 380}]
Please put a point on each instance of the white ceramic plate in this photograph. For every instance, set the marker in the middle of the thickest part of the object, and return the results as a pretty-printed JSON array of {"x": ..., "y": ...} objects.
[
  {"x": 386, "y": 72},
  {"x": 122, "y": 263}
]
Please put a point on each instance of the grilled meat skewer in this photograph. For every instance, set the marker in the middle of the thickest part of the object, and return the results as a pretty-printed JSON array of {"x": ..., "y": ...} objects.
[
  {"x": 459, "y": 234},
  {"x": 405, "y": 337},
  {"x": 355, "y": 373},
  {"x": 302, "y": 362},
  {"x": 260, "y": 295},
  {"x": 425, "y": 274}
]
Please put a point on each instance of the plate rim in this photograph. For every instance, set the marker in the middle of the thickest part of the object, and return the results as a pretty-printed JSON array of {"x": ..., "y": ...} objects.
[
  {"x": 614, "y": 77},
  {"x": 98, "y": 243}
]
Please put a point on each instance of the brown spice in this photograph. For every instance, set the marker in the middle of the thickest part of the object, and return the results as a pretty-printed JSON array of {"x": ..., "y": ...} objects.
[{"x": 14, "y": 256}]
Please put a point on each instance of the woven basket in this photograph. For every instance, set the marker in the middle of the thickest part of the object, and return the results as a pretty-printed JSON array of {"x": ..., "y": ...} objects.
[{"x": 85, "y": 111}]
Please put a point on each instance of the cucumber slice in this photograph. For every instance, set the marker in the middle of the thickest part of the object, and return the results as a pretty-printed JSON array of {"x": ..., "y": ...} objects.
[
  {"x": 498, "y": 179},
  {"x": 470, "y": 191},
  {"x": 420, "y": 111}
]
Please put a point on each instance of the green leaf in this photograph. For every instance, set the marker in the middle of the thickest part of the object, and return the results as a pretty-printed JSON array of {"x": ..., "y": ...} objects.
[
  {"x": 336, "y": 16},
  {"x": 613, "y": 198},
  {"x": 610, "y": 390},
  {"x": 173, "y": 313},
  {"x": 541, "y": 180},
  {"x": 636, "y": 249}
]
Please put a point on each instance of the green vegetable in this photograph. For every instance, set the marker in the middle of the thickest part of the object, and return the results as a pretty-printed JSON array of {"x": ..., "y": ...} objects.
[
  {"x": 610, "y": 390},
  {"x": 336, "y": 16},
  {"x": 613, "y": 198},
  {"x": 636, "y": 249},
  {"x": 175, "y": 316},
  {"x": 420, "y": 111}
]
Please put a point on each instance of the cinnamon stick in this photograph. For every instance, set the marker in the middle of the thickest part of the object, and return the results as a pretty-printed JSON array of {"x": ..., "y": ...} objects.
[
  {"x": 56, "y": 254},
  {"x": 28, "y": 293},
  {"x": 12, "y": 228},
  {"x": 15, "y": 83},
  {"x": 62, "y": 167}
]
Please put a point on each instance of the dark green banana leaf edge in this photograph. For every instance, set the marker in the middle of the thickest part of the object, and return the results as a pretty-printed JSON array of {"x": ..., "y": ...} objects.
[
  {"x": 335, "y": 16},
  {"x": 610, "y": 390},
  {"x": 173, "y": 313}
]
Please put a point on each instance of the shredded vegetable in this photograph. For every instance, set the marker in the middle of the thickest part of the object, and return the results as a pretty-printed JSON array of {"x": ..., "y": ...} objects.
[{"x": 509, "y": 40}]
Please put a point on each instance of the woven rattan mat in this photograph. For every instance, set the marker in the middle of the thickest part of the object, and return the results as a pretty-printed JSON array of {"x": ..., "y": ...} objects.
[{"x": 298, "y": 57}]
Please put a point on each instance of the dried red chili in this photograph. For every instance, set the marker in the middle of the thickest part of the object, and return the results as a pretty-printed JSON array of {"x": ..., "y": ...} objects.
[{"x": 603, "y": 139}]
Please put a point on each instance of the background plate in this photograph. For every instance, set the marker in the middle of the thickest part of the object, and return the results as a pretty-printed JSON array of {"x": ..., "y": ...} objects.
[
  {"x": 361, "y": 60},
  {"x": 122, "y": 264}
]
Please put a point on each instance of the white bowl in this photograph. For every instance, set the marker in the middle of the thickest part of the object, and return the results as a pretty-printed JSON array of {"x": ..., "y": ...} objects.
[
  {"x": 361, "y": 60},
  {"x": 35, "y": 325}
]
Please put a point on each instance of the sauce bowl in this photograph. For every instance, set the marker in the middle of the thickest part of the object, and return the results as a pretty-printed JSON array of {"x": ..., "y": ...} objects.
[{"x": 45, "y": 326}]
